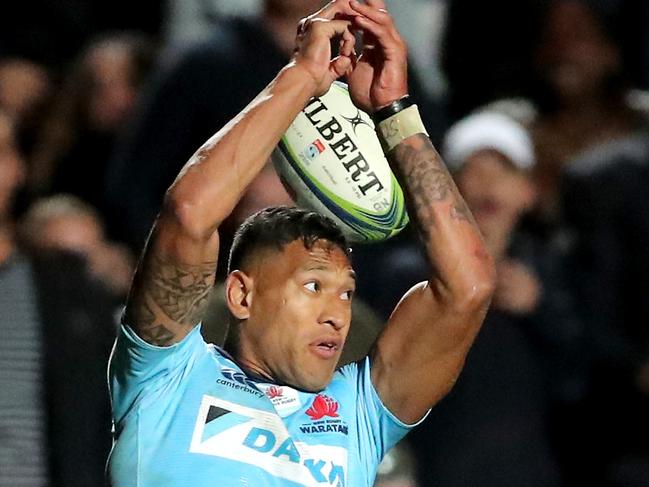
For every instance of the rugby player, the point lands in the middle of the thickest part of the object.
(272, 409)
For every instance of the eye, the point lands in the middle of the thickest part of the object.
(347, 295)
(312, 286)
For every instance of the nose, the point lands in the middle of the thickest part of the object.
(336, 322)
(335, 313)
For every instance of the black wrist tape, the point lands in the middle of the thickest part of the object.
(392, 109)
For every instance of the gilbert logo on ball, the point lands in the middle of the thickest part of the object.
(332, 161)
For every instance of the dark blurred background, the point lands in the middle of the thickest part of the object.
(101, 103)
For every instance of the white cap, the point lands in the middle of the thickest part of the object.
(488, 130)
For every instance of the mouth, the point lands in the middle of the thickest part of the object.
(326, 348)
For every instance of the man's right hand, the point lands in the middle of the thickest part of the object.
(313, 44)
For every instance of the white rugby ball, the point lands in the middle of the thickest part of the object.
(332, 160)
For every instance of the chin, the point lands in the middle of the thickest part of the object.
(313, 384)
(312, 389)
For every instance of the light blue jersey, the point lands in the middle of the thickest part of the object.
(187, 415)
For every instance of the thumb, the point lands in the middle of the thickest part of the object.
(340, 66)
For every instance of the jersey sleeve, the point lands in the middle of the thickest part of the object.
(378, 429)
(140, 372)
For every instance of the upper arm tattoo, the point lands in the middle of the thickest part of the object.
(181, 290)
(168, 298)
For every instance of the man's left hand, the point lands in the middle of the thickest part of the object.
(380, 75)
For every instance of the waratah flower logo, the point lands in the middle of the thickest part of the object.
(323, 406)
(274, 391)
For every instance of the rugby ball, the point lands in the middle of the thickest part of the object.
(332, 162)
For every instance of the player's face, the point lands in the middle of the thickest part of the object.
(300, 312)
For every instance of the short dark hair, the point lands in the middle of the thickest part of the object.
(278, 226)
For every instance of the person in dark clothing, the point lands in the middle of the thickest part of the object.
(606, 206)
(77, 314)
(57, 326)
(95, 103)
(585, 95)
(494, 428)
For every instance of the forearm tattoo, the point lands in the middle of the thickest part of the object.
(179, 291)
(427, 181)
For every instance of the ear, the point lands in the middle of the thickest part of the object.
(238, 294)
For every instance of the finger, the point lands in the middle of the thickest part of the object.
(301, 26)
(380, 4)
(373, 32)
(333, 9)
(327, 28)
(328, 12)
(383, 33)
(373, 10)
(347, 44)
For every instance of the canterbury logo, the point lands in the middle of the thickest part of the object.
(323, 406)
(239, 377)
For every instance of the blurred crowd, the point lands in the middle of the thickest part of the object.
(538, 108)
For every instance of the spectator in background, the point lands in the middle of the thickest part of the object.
(199, 89)
(592, 144)
(26, 86)
(23, 84)
(585, 99)
(494, 427)
(66, 223)
(606, 206)
(190, 21)
(420, 21)
(590, 130)
(56, 327)
(94, 105)
(53, 33)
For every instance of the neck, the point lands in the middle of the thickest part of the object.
(241, 355)
(253, 369)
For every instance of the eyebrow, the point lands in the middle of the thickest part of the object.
(322, 267)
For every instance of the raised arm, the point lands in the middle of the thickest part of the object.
(176, 272)
(420, 353)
